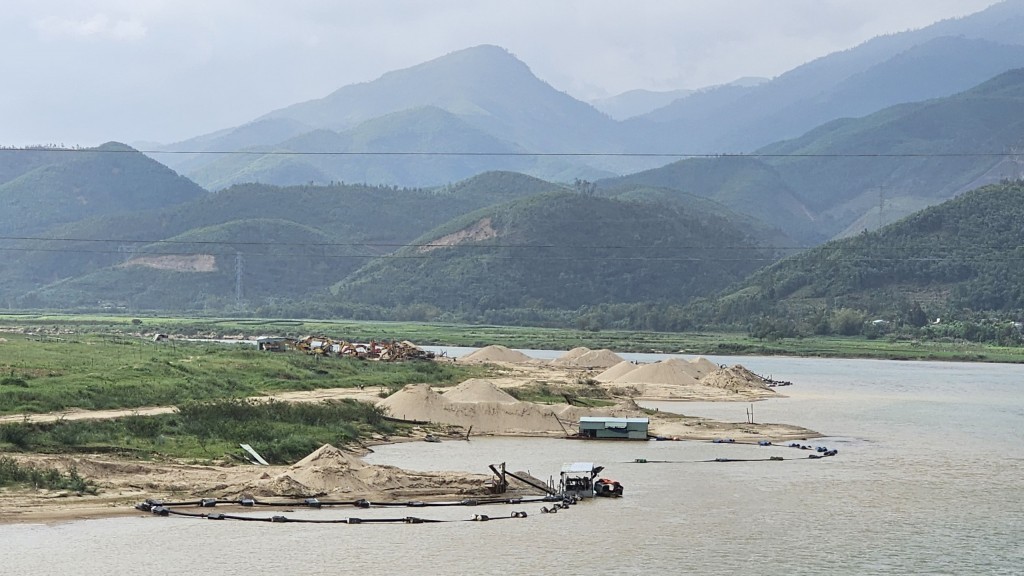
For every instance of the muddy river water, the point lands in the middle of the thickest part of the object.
(929, 479)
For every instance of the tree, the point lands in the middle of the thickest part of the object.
(917, 317)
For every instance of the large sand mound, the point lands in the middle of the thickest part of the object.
(411, 402)
(326, 470)
(571, 355)
(672, 371)
(497, 353)
(330, 471)
(616, 371)
(704, 366)
(587, 358)
(478, 390)
(418, 402)
(735, 378)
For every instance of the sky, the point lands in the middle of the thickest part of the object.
(84, 72)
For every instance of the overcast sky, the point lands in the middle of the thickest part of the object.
(89, 71)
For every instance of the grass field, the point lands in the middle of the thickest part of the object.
(524, 337)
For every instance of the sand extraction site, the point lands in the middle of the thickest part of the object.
(474, 407)
(488, 406)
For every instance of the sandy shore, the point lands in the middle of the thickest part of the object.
(482, 405)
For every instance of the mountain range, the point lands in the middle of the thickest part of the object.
(485, 102)
(318, 209)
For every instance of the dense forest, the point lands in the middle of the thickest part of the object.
(961, 260)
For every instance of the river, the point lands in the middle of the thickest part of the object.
(929, 479)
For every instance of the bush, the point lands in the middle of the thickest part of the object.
(14, 474)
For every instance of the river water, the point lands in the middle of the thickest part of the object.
(929, 479)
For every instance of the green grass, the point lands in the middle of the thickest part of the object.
(97, 371)
(281, 432)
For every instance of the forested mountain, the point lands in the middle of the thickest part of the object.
(49, 187)
(559, 251)
(962, 255)
(192, 250)
(208, 268)
(855, 174)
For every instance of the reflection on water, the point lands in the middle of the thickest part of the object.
(928, 480)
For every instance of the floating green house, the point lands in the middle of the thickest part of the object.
(608, 428)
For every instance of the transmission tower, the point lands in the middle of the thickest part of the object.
(238, 279)
(128, 250)
(1017, 158)
(881, 207)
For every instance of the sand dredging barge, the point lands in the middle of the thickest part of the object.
(577, 481)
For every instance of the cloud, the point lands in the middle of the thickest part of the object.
(96, 26)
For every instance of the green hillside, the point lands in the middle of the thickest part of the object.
(946, 261)
(329, 230)
(559, 251)
(206, 267)
(67, 186)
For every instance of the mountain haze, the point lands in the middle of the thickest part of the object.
(480, 100)
(855, 174)
(935, 61)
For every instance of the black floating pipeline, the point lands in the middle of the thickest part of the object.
(149, 504)
(160, 508)
(819, 453)
(166, 511)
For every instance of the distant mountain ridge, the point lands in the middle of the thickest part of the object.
(487, 89)
(482, 90)
(741, 119)
(855, 174)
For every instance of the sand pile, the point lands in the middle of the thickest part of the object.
(478, 390)
(330, 471)
(571, 355)
(673, 371)
(616, 371)
(704, 366)
(414, 401)
(586, 358)
(623, 409)
(324, 471)
(735, 378)
(698, 379)
(497, 353)
(494, 417)
(418, 402)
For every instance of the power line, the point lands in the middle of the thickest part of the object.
(395, 245)
(319, 255)
(465, 153)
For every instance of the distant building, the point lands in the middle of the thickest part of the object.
(608, 428)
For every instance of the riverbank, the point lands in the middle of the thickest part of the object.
(516, 396)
